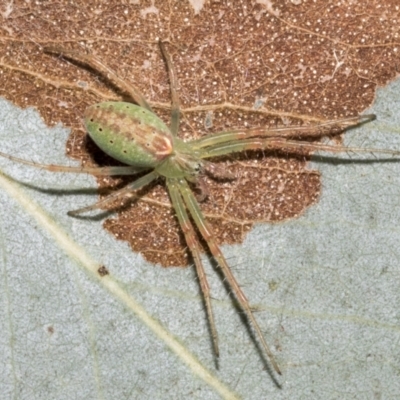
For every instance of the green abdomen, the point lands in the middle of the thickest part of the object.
(129, 133)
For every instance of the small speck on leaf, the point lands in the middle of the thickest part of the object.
(103, 271)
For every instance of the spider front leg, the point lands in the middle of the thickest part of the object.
(173, 83)
(318, 130)
(206, 232)
(194, 247)
(277, 143)
(136, 185)
(97, 65)
(97, 171)
(223, 143)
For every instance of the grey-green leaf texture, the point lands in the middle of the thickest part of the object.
(326, 287)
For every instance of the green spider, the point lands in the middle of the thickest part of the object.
(134, 135)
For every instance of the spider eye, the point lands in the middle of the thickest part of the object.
(197, 168)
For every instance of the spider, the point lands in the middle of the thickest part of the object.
(134, 135)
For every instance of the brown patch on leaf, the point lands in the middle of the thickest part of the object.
(236, 61)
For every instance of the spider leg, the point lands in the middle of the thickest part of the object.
(173, 81)
(139, 183)
(318, 130)
(277, 143)
(208, 236)
(96, 64)
(98, 171)
(194, 247)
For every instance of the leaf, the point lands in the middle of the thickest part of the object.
(326, 284)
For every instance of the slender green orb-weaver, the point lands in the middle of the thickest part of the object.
(134, 135)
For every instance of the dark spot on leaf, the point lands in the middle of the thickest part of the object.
(103, 271)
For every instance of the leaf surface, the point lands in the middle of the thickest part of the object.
(325, 284)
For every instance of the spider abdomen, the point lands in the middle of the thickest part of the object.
(129, 133)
